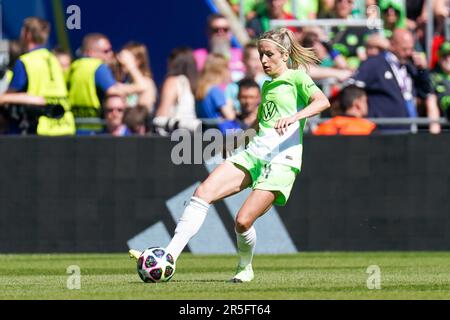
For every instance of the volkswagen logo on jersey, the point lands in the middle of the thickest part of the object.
(269, 110)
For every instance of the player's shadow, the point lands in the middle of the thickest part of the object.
(185, 281)
(196, 281)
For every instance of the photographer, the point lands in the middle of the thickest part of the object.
(395, 80)
(38, 81)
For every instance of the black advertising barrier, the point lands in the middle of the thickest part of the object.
(95, 194)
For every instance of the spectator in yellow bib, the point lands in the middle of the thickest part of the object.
(38, 79)
(91, 81)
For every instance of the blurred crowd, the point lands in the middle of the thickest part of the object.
(367, 72)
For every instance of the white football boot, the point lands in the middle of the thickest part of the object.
(243, 274)
(134, 254)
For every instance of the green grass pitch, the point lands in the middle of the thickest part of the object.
(412, 275)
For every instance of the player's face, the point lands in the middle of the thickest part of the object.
(273, 61)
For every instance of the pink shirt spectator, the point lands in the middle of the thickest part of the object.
(237, 67)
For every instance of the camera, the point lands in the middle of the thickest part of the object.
(51, 111)
(25, 118)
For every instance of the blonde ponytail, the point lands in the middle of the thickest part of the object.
(298, 55)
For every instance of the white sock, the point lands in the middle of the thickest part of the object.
(188, 226)
(246, 243)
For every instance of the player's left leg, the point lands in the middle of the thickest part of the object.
(256, 205)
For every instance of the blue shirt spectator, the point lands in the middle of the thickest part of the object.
(396, 78)
(19, 82)
(210, 107)
(104, 80)
(386, 98)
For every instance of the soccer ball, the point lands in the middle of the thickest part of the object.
(156, 265)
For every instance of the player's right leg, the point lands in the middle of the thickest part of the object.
(135, 254)
(224, 181)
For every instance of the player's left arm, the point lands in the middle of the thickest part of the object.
(318, 103)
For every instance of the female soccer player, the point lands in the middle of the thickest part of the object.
(272, 159)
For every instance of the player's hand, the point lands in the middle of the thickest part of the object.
(283, 124)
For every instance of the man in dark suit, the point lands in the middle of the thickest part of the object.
(394, 80)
